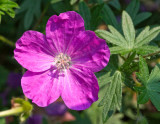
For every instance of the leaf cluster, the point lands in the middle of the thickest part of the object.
(150, 88)
(6, 6)
(128, 42)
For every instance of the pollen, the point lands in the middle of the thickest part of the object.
(62, 61)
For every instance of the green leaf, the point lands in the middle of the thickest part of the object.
(31, 9)
(143, 97)
(141, 17)
(155, 74)
(147, 49)
(142, 34)
(28, 19)
(144, 71)
(109, 17)
(85, 13)
(55, 1)
(73, 1)
(95, 16)
(118, 35)
(130, 43)
(113, 97)
(103, 78)
(128, 29)
(128, 62)
(115, 4)
(151, 83)
(109, 37)
(7, 7)
(148, 37)
(133, 8)
(121, 50)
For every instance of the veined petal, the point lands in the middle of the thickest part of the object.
(43, 88)
(33, 52)
(80, 88)
(89, 51)
(60, 30)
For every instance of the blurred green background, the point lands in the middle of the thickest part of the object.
(33, 15)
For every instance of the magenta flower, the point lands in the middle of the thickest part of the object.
(62, 62)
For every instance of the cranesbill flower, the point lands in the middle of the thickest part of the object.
(62, 62)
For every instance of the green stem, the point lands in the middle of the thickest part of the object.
(13, 111)
(5, 40)
(152, 54)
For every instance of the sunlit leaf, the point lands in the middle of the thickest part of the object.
(6, 6)
(128, 29)
(113, 97)
(110, 37)
(148, 37)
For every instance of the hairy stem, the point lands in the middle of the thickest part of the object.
(10, 112)
(5, 40)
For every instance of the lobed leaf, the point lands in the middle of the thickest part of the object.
(151, 84)
(146, 49)
(6, 6)
(142, 34)
(144, 71)
(113, 97)
(32, 9)
(118, 35)
(109, 37)
(143, 97)
(148, 37)
(109, 17)
(103, 78)
(128, 29)
(121, 50)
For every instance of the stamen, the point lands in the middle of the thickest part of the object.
(62, 61)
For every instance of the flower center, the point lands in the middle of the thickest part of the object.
(62, 61)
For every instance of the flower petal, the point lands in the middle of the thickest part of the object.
(80, 88)
(60, 30)
(42, 87)
(33, 52)
(89, 51)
